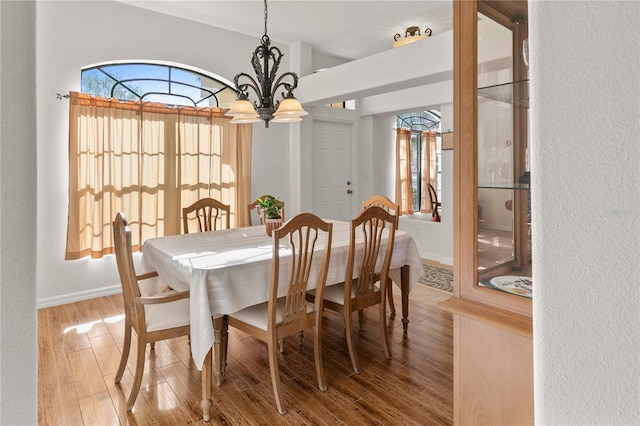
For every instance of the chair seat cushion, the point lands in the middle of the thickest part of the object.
(167, 315)
(335, 293)
(257, 315)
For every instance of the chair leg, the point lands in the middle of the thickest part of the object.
(350, 343)
(281, 345)
(360, 318)
(125, 351)
(300, 338)
(137, 378)
(317, 354)
(392, 306)
(383, 330)
(275, 375)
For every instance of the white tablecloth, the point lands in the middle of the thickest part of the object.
(229, 270)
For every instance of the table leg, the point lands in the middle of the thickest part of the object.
(206, 387)
(220, 329)
(404, 286)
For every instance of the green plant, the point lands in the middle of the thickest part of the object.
(270, 206)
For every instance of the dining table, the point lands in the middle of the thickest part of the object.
(228, 270)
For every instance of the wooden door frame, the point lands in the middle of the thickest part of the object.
(465, 166)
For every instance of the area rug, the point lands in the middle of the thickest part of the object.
(435, 277)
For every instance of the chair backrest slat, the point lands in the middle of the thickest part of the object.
(209, 212)
(385, 203)
(304, 235)
(372, 224)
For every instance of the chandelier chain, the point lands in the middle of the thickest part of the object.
(265, 17)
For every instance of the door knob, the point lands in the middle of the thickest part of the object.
(349, 191)
(348, 182)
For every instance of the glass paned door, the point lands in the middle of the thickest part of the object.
(501, 194)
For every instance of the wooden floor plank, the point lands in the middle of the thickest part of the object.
(87, 377)
(80, 346)
(98, 410)
(169, 408)
(143, 413)
(106, 353)
(61, 406)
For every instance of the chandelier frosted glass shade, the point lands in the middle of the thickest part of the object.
(243, 111)
(289, 107)
(242, 108)
(286, 119)
(245, 120)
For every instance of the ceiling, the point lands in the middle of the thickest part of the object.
(349, 29)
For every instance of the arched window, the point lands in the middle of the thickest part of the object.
(149, 139)
(158, 82)
(420, 122)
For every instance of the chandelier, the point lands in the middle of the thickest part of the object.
(266, 107)
(410, 35)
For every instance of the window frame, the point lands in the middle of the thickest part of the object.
(176, 90)
(420, 121)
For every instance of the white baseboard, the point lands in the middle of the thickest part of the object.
(78, 296)
(436, 258)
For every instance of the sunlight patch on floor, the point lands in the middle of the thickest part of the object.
(87, 326)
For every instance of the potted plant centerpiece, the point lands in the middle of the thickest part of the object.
(271, 209)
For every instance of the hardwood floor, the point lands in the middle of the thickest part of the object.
(80, 345)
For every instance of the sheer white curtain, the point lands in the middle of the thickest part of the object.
(149, 161)
(213, 163)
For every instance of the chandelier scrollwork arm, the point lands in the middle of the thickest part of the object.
(273, 53)
(258, 54)
(289, 87)
(243, 88)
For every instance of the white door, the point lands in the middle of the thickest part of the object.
(331, 175)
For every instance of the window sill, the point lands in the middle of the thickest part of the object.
(419, 217)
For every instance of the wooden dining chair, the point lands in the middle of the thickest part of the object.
(295, 247)
(208, 213)
(435, 204)
(253, 207)
(366, 278)
(152, 318)
(388, 205)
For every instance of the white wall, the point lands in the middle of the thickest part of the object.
(585, 131)
(18, 330)
(71, 35)
(270, 162)
(384, 140)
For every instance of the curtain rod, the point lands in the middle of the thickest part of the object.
(437, 133)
